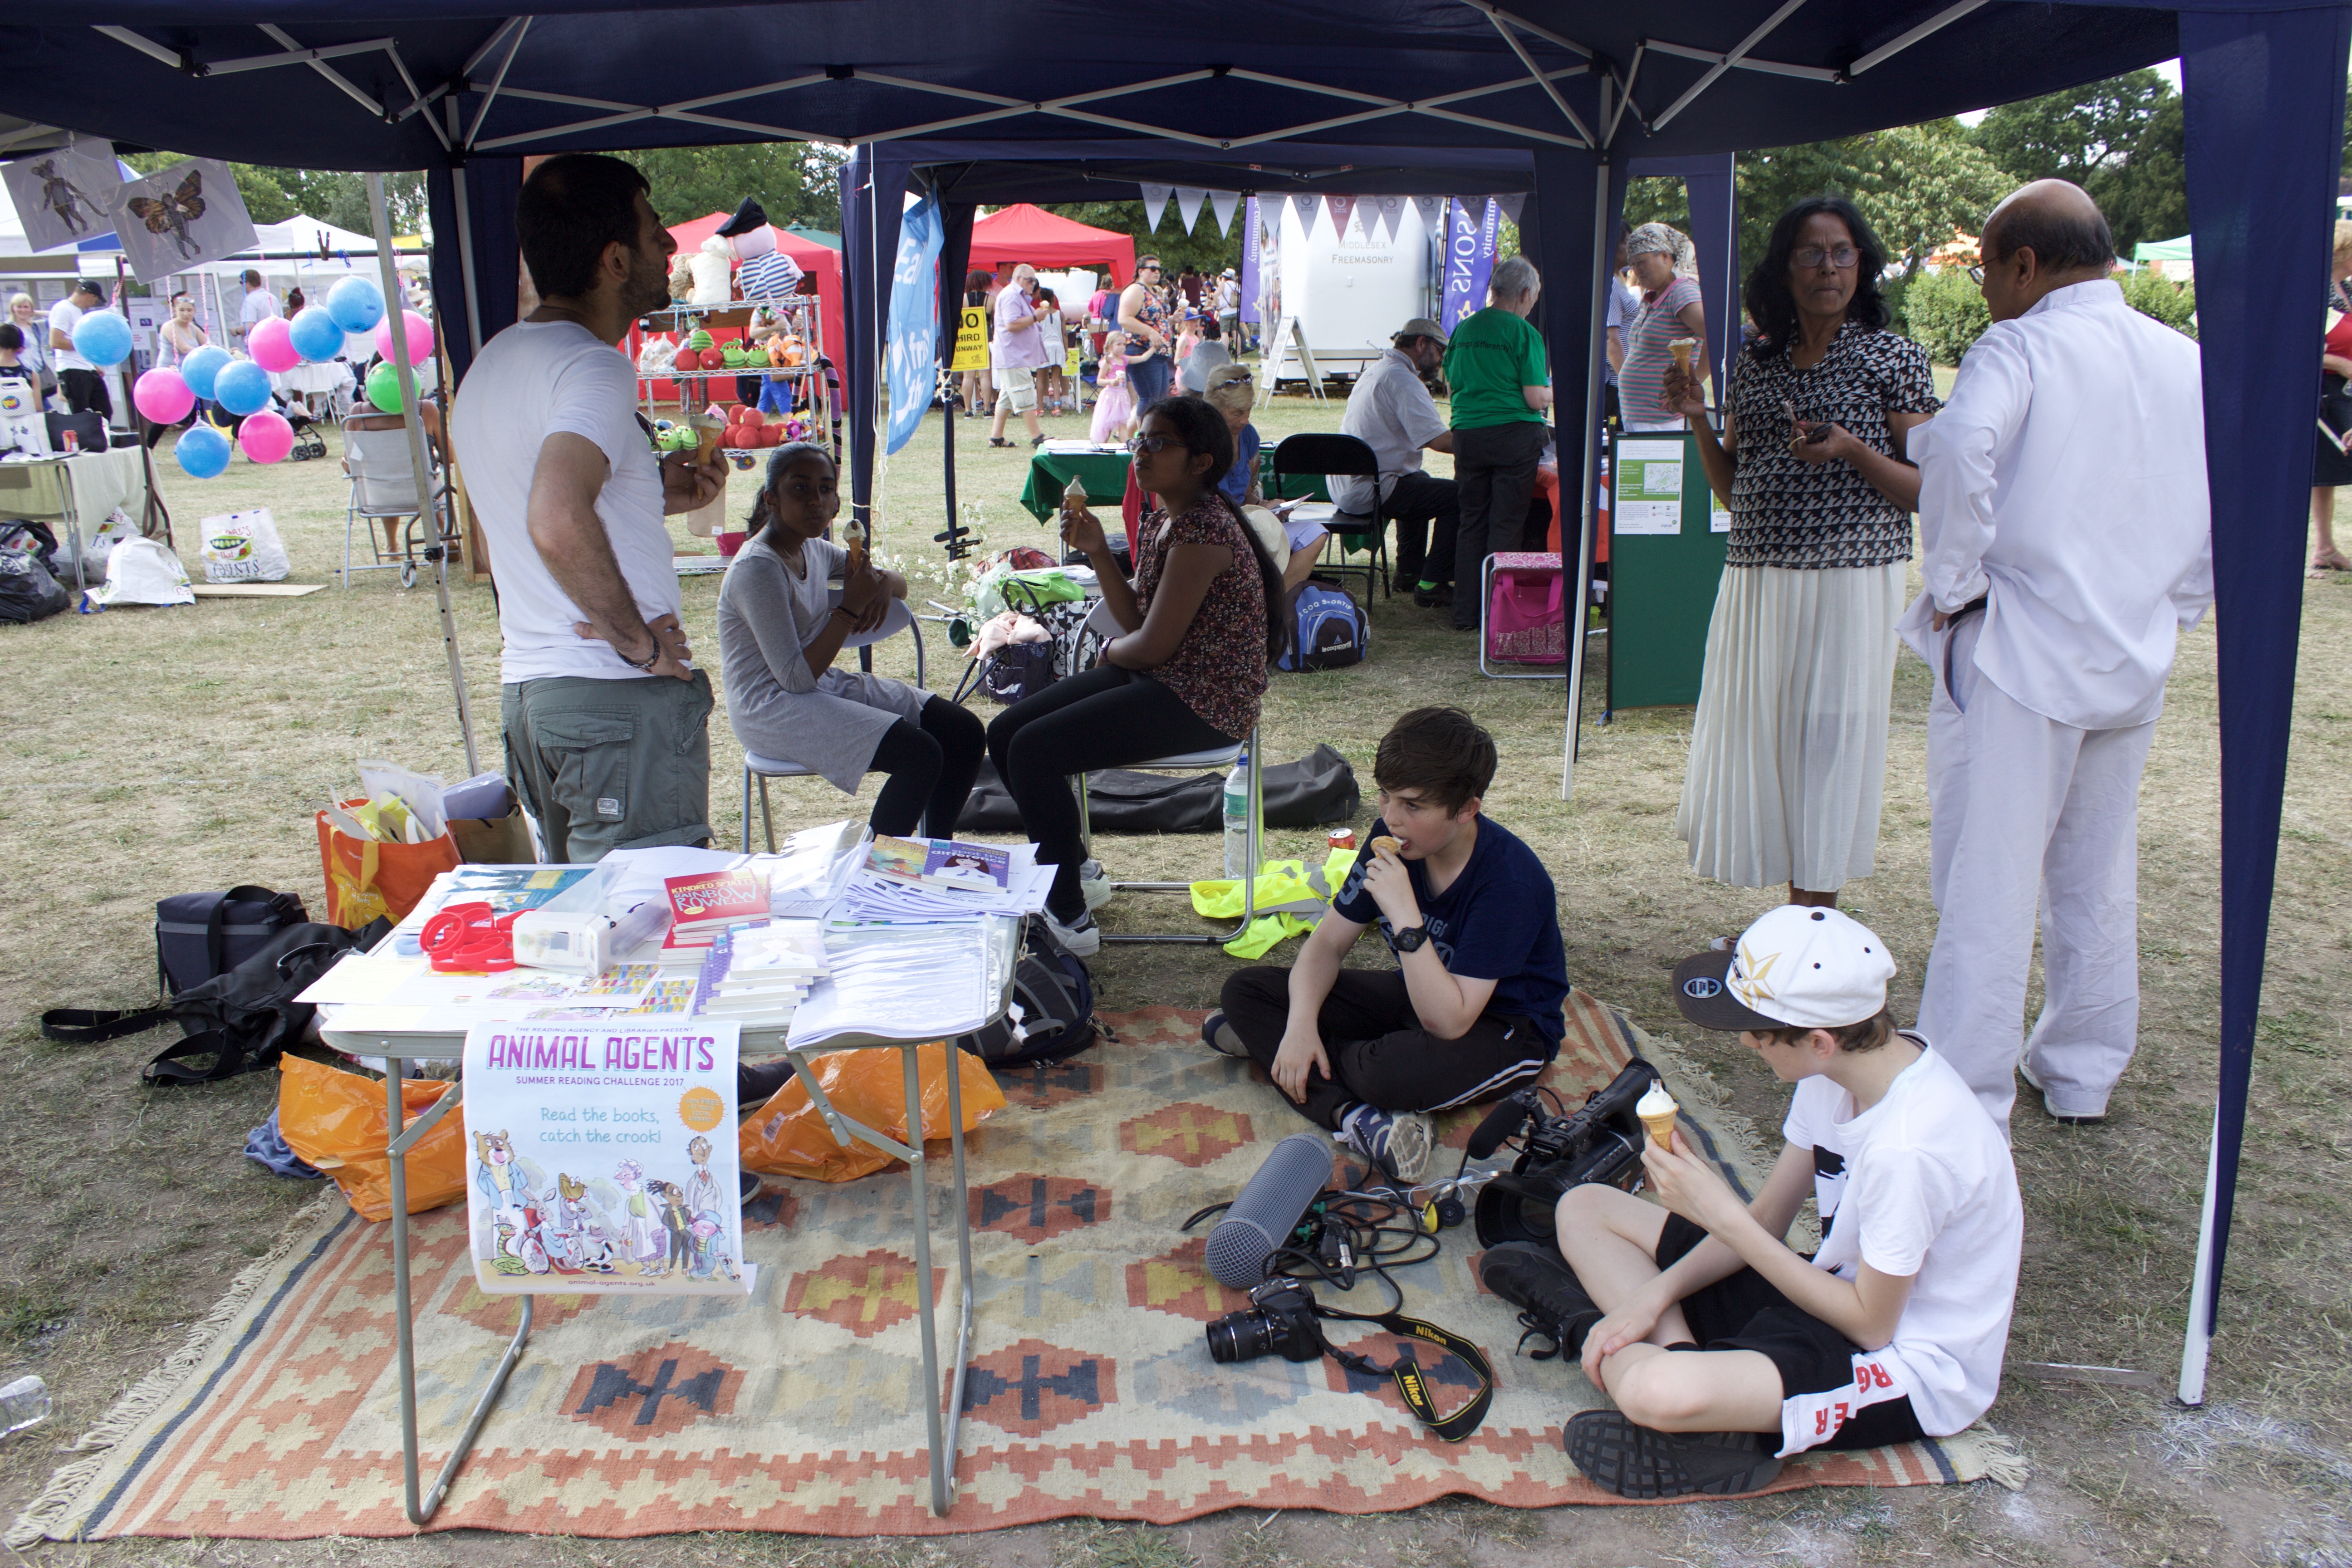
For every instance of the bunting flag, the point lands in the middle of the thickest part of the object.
(1340, 209)
(1429, 208)
(1304, 203)
(1391, 211)
(1512, 203)
(1223, 202)
(1155, 202)
(1187, 206)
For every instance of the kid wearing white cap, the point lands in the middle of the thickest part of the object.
(1893, 1329)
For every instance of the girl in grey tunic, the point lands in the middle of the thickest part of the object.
(779, 631)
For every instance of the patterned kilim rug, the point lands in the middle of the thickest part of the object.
(1091, 1392)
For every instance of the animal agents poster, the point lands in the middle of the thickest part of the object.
(188, 213)
(601, 1158)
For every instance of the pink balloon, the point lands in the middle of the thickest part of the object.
(267, 437)
(164, 397)
(271, 345)
(420, 337)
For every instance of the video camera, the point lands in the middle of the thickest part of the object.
(1599, 1141)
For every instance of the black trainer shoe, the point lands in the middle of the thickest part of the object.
(1539, 1282)
(1635, 1462)
(1433, 598)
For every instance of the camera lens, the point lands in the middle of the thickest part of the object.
(1240, 1336)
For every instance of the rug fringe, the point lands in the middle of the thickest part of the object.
(1996, 1456)
(143, 1398)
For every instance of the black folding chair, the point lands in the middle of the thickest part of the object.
(1343, 456)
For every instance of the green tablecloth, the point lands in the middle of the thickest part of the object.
(1105, 474)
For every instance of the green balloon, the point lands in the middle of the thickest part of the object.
(384, 386)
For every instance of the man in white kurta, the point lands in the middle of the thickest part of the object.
(2065, 542)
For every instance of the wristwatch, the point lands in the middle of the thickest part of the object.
(1410, 939)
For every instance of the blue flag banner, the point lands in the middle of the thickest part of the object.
(1469, 258)
(1253, 258)
(913, 359)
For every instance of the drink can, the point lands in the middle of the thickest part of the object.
(73, 442)
(1343, 839)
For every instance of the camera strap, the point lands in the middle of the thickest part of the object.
(1411, 1386)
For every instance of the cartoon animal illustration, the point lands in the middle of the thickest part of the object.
(669, 1199)
(505, 1178)
(706, 1233)
(642, 1243)
(172, 212)
(63, 198)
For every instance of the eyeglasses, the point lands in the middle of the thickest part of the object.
(1812, 255)
(1154, 443)
(1150, 267)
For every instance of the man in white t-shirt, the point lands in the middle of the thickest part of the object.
(82, 382)
(606, 718)
(1391, 411)
(259, 305)
(1726, 1352)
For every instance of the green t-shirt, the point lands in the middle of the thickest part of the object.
(1491, 355)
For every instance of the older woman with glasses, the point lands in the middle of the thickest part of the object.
(35, 355)
(1789, 750)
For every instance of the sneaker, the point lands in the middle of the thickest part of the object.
(758, 1085)
(2025, 1071)
(1636, 1462)
(1433, 598)
(750, 1182)
(1219, 1036)
(1551, 1302)
(1094, 885)
(1081, 936)
(1397, 1142)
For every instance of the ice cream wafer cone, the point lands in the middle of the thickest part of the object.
(1681, 348)
(1384, 842)
(709, 430)
(1657, 1110)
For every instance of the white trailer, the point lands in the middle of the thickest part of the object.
(1341, 297)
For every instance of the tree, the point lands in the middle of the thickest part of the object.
(1917, 185)
(274, 195)
(2121, 140)
(1204, 249)
(795, 181)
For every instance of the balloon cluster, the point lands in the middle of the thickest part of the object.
(241, 386)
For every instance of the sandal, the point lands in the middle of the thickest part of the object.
(998, 441)
(2333, 561)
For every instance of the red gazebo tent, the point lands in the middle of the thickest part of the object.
(1024, 232)
(821, 262)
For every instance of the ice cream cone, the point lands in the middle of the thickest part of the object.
(1384, 842)
(709, 430)
(1657, 1110)
(1681, 348)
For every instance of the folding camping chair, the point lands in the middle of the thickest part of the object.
(384, 488)
(1343, 456)
(762, 769)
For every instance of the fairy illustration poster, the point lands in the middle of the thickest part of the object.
(62, 196)
(601, 1158)
(187, 214)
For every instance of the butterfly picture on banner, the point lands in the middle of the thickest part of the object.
(181, 216)
(62, 196)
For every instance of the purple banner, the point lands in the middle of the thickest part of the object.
(1251, 249)
(1469, 259)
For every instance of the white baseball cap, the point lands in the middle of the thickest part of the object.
(1796, 968)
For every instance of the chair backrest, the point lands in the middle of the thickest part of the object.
(1325, 454)
(376, 450)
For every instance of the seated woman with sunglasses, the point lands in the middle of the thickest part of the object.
(1187, 674)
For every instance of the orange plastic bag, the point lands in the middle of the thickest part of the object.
(366, 879)
(334, 1120)
(788, 1136)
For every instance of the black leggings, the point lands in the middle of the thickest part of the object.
(931, 770)
(1102, 719)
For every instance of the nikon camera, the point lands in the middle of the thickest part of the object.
(1279, 1320)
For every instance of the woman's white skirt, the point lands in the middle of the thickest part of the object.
(1789, 754)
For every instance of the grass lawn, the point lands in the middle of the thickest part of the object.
(152, 752)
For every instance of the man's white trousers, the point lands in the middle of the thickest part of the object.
(2031, 816)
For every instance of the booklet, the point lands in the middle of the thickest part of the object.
(602, 1158)
(942, 863)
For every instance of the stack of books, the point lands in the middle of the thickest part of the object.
(705, 904)
(761, 971)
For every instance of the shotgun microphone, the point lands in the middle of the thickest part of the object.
(1272, 1203)
(1502, 1124)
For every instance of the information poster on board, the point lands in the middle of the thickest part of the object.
(1649, 497)
(971, 339)
(602, 1159)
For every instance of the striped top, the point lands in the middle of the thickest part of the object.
(1642, 379)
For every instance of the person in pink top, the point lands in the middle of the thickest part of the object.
(1020, 355)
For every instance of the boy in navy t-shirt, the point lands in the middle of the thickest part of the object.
(1473, 1006)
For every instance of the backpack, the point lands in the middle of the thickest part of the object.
(200, 936)
(1329, 628)
(1053, 1013)
(243, 1019)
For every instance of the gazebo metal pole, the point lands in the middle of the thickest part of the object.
(1578, 616)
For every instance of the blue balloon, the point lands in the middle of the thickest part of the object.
(314, 334)
(199, 368)
(102, 338)
(202, 450)
(242, 387)
(356, 304)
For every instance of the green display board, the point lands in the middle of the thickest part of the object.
(1666, 545)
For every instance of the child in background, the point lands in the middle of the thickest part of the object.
(1473, 1006)
(1115, 409)
(1893, 1330)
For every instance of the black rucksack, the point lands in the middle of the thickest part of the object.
(1053, 1013)
(200, 936)
(243, 1020)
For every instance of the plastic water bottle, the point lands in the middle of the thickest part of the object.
(1237, 819)
(23, 1403)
